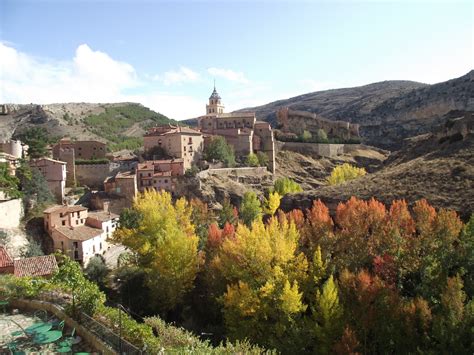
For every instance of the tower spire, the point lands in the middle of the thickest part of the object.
(214, 84)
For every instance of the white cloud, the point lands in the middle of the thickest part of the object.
(228, 74)
(183, 75)
(90, 76)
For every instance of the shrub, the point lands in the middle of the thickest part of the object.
(343, 173)
(252, 160)
(306, 136)
(262, 159)
(286, 186)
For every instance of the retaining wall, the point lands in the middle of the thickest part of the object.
(320, 149)
(11, 212)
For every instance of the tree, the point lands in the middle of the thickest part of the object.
(250, 208)
(219, 150)
(306, 136)
(37, 139)
(286, 186)
(272, 203)
(165, 244)
(201, 217)
(262, 159)
(97, 271)
(322, 135)
(343, 173)
(228, 214)
(328, 317)
(251, 160)
(36, 189)
(9, 184)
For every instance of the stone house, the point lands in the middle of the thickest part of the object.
(178, 142)
(241, 130)
(123, 184)
(15, 148)
(79, 233)
(159, 174)
(54, 172)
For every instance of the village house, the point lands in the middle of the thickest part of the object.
(123, 184)
(159, 174)
(241, 130)
(45, 265)
(79, 233)
(15, 148)
(178, 142)
(54, 172)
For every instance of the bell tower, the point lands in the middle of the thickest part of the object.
(214, 107)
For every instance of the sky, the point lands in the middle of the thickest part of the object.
(167, 54)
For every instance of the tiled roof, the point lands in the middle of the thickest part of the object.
(5, 260)
(61, 208)
(35, 266)
(80, 233)
(102, 216)
(150, 164)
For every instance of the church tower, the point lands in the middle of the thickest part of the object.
(214, 107)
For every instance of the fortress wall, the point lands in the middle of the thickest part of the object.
(92, 175)
(323, 150)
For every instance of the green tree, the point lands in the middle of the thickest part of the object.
(219, 150)
(9, 184)
(306, 136)
(322, 135)
(228, 214)
(36, 188)
(262, 159)
(286, 186)
(37, 139)
(97, 271)
(343, 173)
(250, 208)
(272, 203)
(251, 160)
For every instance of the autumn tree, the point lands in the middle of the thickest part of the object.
(228, 214)
(250, 208)
(343, 173)
(286, 186)
(251, 160)
(165, 244)
(272, 203)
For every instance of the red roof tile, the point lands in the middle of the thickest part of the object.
(35, 266)
(5, 260)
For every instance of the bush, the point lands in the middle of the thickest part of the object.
(306, 136)
(252, 160)
(286, 186)
(262, 159)
(343, 173)
(91, 161)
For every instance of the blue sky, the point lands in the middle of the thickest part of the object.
(166, 54)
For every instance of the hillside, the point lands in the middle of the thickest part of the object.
(388, 111)
(437, 166)
(121, 125)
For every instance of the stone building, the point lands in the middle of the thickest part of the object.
(69, 151)
(54, 172)
(292, 121)
(178, 142)
(15, 148)
(241, 130)
(123, 184)
(159, 174)
(79, 233)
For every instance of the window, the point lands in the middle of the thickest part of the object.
(107, 229)
(80, 148)
(77, 222)
(95, 148)
(82, 220)
(149, 174)
(190, 140)
(101, 148)
(93, 249)
(63, 223)
(75, 245)
(100, 245)
(62, 245)
(61, 215)
(154, 181)
(166, 181)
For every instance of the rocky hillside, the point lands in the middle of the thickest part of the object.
(388, 111)
(121, 125)
(437, 166)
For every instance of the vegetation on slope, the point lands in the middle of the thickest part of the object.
(112, 123)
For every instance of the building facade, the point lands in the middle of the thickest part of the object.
(178, 142)
(79, 233)
(241, 130)
(159, 174)
(54, 172)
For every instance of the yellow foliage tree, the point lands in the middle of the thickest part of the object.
(272, 203)
(343, 173)
(165, 244)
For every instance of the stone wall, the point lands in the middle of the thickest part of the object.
(92, 175)
(239, 172)
(319, 149)
(11, 212)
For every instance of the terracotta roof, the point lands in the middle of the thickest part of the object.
(171, 131)
(5, 260)
(80, 233)
(61, 208)
(150, 164)
(35, 266)
(102, 216)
